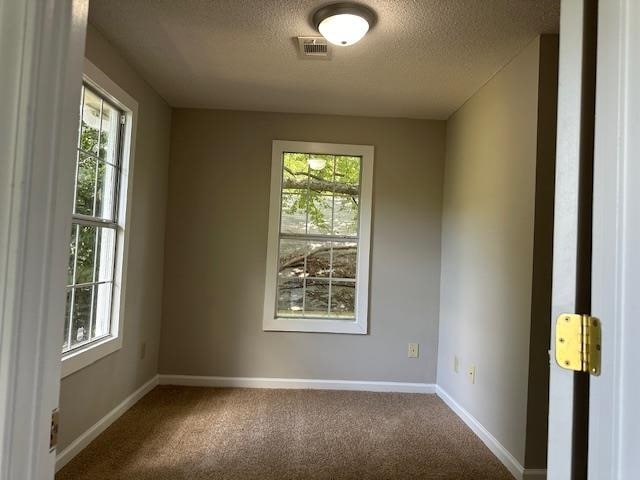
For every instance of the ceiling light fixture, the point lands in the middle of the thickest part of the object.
(344, 23)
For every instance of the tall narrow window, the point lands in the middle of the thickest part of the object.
(97, 247)
(317, 270)
(94, 227)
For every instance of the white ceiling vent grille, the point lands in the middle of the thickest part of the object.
(313, 48)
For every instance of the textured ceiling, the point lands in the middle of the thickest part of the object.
(422, 59)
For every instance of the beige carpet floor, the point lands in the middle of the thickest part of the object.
(177, 433)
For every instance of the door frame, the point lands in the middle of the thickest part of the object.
(566, 457)
(42, 47)
(614, 436)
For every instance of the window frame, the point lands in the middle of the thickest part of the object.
(271, 322)
(80, 358)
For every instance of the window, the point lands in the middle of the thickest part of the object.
(319, 230)
(97, 240)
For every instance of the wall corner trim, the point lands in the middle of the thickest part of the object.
(75, 447)
(296, 383)
(507, 459)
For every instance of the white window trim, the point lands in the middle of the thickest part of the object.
(360, 324)
(78, 359)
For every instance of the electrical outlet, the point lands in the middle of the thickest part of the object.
(456, 364)
(472, 374)
(413, 350)
(143, 350)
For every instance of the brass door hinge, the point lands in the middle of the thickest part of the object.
(55, 426)
(578, 343)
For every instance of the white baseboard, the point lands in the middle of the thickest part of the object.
(534, 474)
(489, 440)
(75, 447)
(296, 383)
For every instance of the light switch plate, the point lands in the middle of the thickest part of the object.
(413, 350)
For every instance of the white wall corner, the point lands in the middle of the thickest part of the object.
(296, 383)
(75, 447)
(507, 459)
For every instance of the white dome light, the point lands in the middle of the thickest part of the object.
(344, 23)
(344, 29)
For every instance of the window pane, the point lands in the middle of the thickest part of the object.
(345, 259)
(294, 211)
(292, 258)
(343, 299)
(105, 254)
(320, 209)
(86, 250)
(348, 173)
(109, 133)
(102, 310)
(290, 296)
(319, 259)
(90, 122)
(316, 298)
(345, 219)
(295, 171)
(81, 318)
(85, 184)
(106, 191)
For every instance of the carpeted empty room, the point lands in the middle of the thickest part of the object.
(180, 433)
(309, 240)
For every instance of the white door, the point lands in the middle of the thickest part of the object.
(41, 51)
(594, 422)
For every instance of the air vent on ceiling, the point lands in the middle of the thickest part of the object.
(313, 48)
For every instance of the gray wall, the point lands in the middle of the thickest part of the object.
(89, 394)
(489, 213)
(217, 220)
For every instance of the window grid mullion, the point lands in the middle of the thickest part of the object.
(316, 237)
(333, 216)
(88, 284)
(306, 230)
(94, 221)
(95, 157)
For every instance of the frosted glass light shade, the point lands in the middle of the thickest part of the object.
(343, 29)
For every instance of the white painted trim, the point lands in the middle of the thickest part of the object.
(77, 360)
(614, 417)
(41, 46)
(75, 447)
(565, 232)
(489, 440)
(296, 383)
(360, 325)
(534, 474)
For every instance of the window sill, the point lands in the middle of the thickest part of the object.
(311, 325)
(77, 360)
